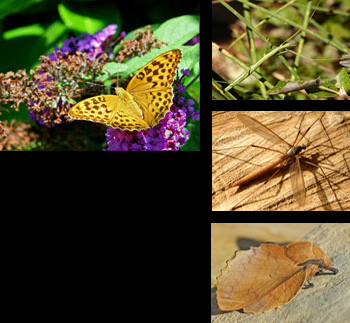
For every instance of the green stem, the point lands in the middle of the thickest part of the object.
(252, 68)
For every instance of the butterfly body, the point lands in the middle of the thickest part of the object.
(143, 104)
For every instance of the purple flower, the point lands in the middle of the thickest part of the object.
(169, 134)
(186, 72)
(181, 88)
(93, 45)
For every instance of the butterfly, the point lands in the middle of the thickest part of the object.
(143, 104)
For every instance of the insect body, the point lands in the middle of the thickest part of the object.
(295, 150)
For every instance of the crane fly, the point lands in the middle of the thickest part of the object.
(293, 153)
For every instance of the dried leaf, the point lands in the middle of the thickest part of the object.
(345, 61)
(269, 276)
(285, 87)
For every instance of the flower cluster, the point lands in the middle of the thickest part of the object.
(18, 136)
(94, 45)
(140, 45)
(55, 82)
(47, 90)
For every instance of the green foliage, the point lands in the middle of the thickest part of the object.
(343, 81)
(111, 70)
(186, 28)
(318, 35)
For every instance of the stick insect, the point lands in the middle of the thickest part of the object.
(292, 153)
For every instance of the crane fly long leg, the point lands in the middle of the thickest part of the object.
(262, 130)
(297, 181)
(307, 130)
(254, 146)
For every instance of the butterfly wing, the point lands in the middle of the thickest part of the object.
(151, 87)
(112, 110)
(96, 109)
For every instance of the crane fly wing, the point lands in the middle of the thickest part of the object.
(297, 181)
(262, 130)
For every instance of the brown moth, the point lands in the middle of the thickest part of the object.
(260, 279)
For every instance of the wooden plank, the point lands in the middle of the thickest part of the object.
(230, 164)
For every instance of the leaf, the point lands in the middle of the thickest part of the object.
(90, 17)
(111, 70)
(324, 94)
(269, 276)
(186, 27)
(343, 80)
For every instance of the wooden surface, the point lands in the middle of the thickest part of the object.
(229, 164)
(327, 301)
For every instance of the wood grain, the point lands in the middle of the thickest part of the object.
(230, 164)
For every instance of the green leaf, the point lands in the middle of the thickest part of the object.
(24, 31)
(325, 94)
(111, 70)
(190, 57)
(186, 27)
(343, 81)
(54, 34)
